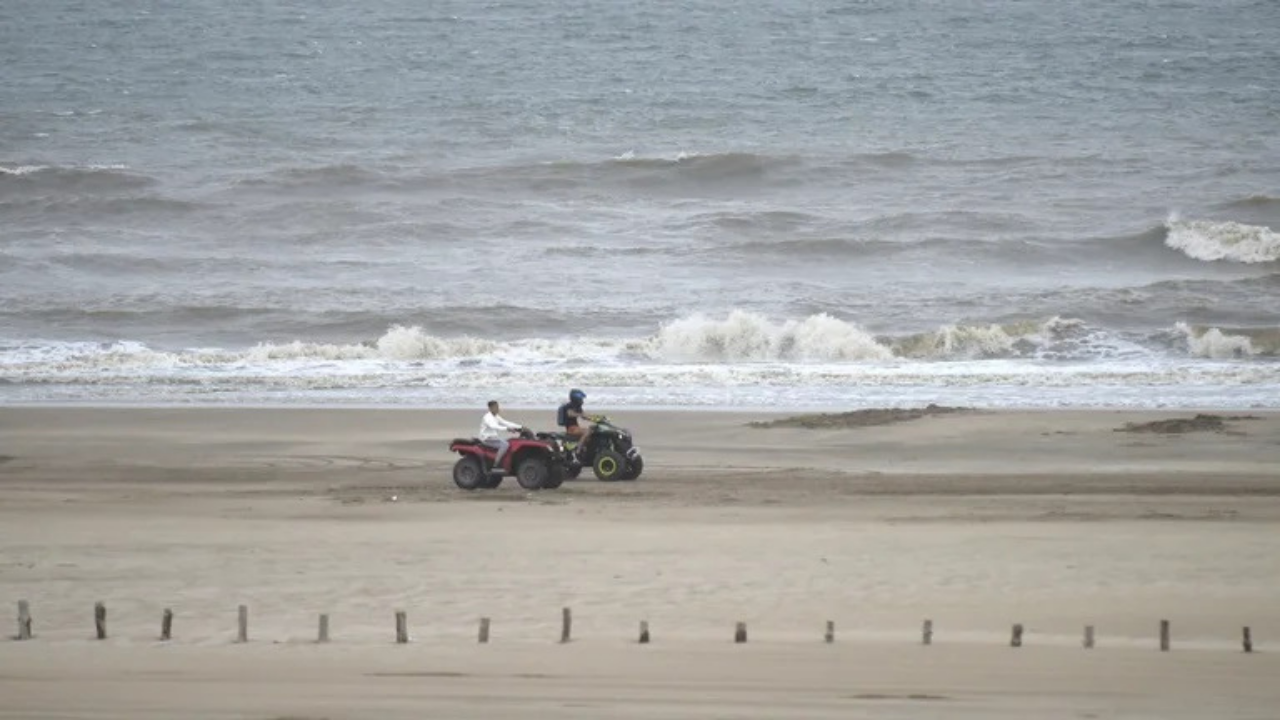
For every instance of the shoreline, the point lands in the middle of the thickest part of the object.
(655, 408)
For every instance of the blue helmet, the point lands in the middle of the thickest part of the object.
(576, 396)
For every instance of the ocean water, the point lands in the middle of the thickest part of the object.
(682, 203)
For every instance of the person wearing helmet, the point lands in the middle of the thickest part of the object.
(574, 420)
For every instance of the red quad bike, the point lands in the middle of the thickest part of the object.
(535, 463)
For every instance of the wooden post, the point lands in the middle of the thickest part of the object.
(1016, 639)
(166, 624)
(1088, 637)
(1247, 640)
(402, 627)
(100, 620)
(243, 634)
(1164, 636)
(830, 636)
(644, 632)
(927, 633)
(566, 625)
(484, 630)
(24, 620)
(323, 635)
(740, 633)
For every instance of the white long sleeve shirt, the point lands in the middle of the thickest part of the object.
(491, 426)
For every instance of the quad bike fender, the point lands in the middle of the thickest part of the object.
(517, 454)
(472, 450)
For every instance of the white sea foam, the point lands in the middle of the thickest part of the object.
(297, 374)
(738, 338)
(739, 359)
(1224, 343)
(32, 169)
(411, 343)
(966, 341)
(750, 337)
(1213, 241)
(1213, 343)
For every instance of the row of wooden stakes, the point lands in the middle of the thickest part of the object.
(566, 629)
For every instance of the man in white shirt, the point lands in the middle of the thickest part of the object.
(491, 428)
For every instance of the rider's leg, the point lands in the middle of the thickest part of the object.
(579, 437)
(502, 445)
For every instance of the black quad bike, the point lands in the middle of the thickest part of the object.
(611, 452)
(537, 462)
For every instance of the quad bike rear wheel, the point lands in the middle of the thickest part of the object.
(469, 474)
(533, 473)
(609, 466)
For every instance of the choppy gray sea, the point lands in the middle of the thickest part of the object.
(679, 203)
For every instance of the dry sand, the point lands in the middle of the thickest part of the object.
(876, 521)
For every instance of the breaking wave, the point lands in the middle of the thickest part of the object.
(71, 180)
(746, 337)
(1226, 343)
(1055, 337)
(742, 358)
(405, 343)
(740, 338)
(1232, 241)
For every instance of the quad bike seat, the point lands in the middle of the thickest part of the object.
(465, 441)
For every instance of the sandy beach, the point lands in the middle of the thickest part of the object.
(874, 521)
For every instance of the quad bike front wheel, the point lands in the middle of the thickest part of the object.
(635, 466)
(556, 477)
(469, 474)
(533, 473)
(609, 466)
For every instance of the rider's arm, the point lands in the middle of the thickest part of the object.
(508, 424)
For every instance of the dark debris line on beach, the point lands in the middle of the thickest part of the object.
(1200, 423)
(860, 418)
